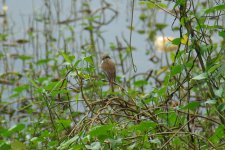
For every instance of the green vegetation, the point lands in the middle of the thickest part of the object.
(53, 94)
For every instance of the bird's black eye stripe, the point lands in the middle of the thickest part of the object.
(106, 57)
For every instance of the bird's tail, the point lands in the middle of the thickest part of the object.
(112, 85)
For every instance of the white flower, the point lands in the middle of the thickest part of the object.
(5, 8)
(164, 44)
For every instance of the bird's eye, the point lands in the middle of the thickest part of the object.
(105, 57)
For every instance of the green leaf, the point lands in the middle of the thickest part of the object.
(215, 8)
(155, 141)
(89, 59)
(22, 41)
(208, 27)
(89, 28)
(219, 92)
(213, 68)
(115, 142)
(4, 132)
(53, 85)
(141, 17)
(140, 83)
(101, 131)
(58, 91)
(163, 5)
(66, 64)
(176, 69)
(25, 57)
(221, 70)
(218, 134)
(172, 117)
(149, 5)
(66, 57)
(76, 63)
(43, 61)
(3, 37)
(21, 88)
(94, 146)
(221, 107)
(176, 41)
(132, 146)
(183, 20)
(180, 2)
(66, 144)
(65, 123)
(34, 84)
(4, 145)
(53, 144)
(162, 91)
(222, 34)
(45, 134)
(161, 26)
(144, 126)
(210, 101)
(112, 46)
(16, 145)
(200, 77)
(17, 128)
(192, 105)
(141, 31)
(34, 139)
(189, 64)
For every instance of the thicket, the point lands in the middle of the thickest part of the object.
(53, 94)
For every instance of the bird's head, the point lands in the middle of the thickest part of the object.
(105, 56)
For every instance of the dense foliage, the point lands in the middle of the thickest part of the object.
(53, 94)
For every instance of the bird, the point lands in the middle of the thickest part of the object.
(109, 68)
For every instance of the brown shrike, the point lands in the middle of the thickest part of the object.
(109, 68)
